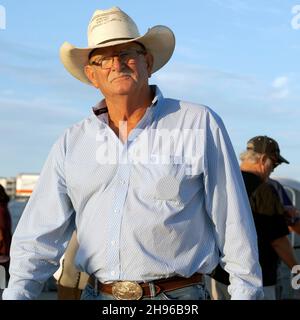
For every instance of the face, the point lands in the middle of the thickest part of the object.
(126, 73)
(267, 166)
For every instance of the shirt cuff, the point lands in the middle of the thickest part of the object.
(10, 294)
(19, 293)
(247, 294)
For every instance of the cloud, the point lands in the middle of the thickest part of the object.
(234, 5)
(39, 106)
(280, 87)
(7, 92)
(25, 51)
(280, 82)
(48, 80)
(244, 6)
(247, 104)
(186, 77)
(22, 65)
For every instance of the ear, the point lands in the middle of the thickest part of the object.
(263, 158)
(149, 60)
(90, 73)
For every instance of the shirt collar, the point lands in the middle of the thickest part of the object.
(157, 94)
(100, 109)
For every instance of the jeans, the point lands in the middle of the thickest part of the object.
(193, 292)
(269, 292)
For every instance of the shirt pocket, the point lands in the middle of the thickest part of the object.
(171, 182)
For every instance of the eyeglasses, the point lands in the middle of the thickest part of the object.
(126, 56)
(274, 161)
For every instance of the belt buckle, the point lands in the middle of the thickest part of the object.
(127, 290)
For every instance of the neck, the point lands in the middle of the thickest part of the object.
(252, 168)
(129, 109)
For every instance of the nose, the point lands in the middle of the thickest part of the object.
(117, 63)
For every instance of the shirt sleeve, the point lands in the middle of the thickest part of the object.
(266, 201)
(268, 213)
(228, 206)
(43, 231)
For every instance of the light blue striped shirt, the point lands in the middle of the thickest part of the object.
(164, 203)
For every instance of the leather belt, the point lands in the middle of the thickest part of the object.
(131, 290)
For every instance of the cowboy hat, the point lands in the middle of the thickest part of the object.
(112, 27)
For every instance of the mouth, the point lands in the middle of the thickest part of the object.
(121, 77)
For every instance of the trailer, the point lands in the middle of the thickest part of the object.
(25, 183)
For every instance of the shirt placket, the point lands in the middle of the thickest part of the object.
(121, 189)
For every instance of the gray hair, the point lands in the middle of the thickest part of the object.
(250, 155)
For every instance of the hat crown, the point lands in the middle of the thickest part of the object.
(109, 25)
(263, 144)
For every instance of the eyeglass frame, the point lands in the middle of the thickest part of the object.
(274, 160)
(110, 58)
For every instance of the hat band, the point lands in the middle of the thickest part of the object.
(115, 39)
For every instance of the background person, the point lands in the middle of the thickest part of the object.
(257, 162)
(5, 230)
(70, 281)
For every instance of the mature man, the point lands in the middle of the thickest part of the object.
(257, 162)
(151, 184)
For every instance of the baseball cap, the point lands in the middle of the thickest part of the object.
(267, 145)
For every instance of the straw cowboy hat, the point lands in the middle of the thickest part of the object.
(112, 27)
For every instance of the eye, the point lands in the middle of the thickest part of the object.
(105, 59)
(124, 54)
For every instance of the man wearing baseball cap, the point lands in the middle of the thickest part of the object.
(151, 214)
(261, 157)
(268, 146)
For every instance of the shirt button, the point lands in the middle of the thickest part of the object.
(113, 242)
(116, 210)
(113, 273)
(122, 181)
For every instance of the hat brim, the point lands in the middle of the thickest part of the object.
(159, 41)
(282, 159)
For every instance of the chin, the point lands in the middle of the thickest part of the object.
(124, 89)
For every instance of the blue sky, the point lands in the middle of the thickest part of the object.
(240, 57)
